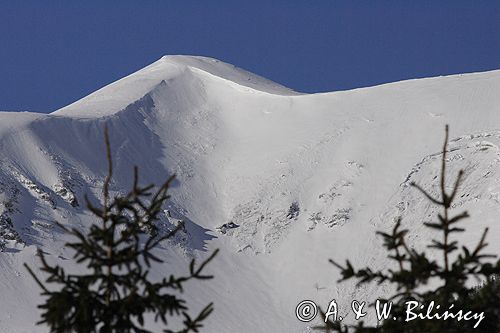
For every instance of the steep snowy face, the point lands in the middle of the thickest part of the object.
(280, 181)
(478, 156)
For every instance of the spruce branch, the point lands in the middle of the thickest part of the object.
(116, 292)
(415, 270)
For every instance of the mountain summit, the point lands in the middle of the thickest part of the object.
(170, 70)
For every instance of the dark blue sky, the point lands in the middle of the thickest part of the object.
(53, 53)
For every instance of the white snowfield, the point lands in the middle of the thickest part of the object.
(278, 180)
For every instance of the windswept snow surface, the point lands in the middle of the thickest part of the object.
(302, 177)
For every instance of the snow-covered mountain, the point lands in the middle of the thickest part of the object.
(302, 177)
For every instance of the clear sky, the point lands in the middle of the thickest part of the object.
(55, 52)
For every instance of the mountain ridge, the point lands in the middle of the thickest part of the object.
(169, 68)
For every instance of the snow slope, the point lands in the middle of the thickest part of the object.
(305, 177)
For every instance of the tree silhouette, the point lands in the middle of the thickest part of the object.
(116, 293)
(415, 271)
